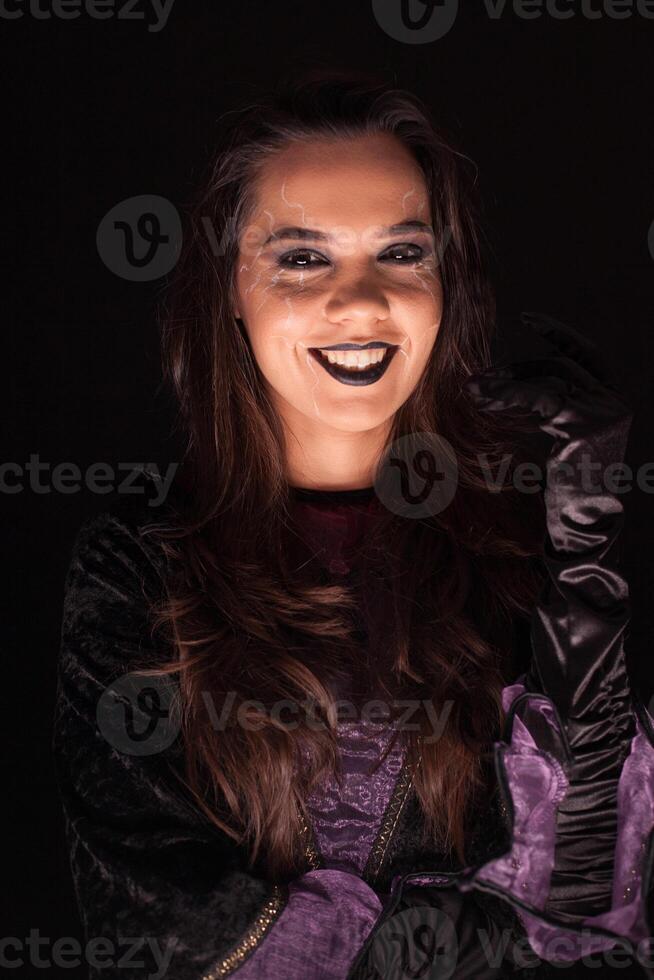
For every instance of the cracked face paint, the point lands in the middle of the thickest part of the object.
(340, 249)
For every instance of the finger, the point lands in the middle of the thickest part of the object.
(548, 371)
(571, 343)
(497, 394)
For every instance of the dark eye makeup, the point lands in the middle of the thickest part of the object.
(301, 258)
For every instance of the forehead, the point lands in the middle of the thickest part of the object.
(327, 182)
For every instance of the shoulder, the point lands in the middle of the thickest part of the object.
(117, 571)
(116, 577)
(121, 540)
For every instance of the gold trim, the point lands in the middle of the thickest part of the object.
(311, 852)
(392, 814)
(253, 937)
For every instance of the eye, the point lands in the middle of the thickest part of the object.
(300, 258)
(397, 252)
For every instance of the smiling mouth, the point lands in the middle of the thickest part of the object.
(355, 368)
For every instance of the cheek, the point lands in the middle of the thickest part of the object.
(279, 319)
(270, 340)
(277, 328)
(422, 311)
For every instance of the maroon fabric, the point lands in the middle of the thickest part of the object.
(333, 523)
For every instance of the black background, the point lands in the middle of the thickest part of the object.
(555, 113)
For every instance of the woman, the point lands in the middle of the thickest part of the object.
(347, 707)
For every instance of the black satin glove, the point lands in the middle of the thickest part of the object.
(581, 617)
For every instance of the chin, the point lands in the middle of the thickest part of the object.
(355, 420)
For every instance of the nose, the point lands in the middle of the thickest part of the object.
(360, 300)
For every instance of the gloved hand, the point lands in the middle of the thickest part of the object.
(580, 619)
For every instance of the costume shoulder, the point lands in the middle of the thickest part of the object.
(117, 564)
(145, 861)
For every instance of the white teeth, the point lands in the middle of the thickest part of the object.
(358, 360)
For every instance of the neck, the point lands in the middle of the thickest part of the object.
(324, 458)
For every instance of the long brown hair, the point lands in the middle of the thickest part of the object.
(246, 619)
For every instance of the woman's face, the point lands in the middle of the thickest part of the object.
(340, 254)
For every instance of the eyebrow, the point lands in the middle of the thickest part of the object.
(306, 234)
